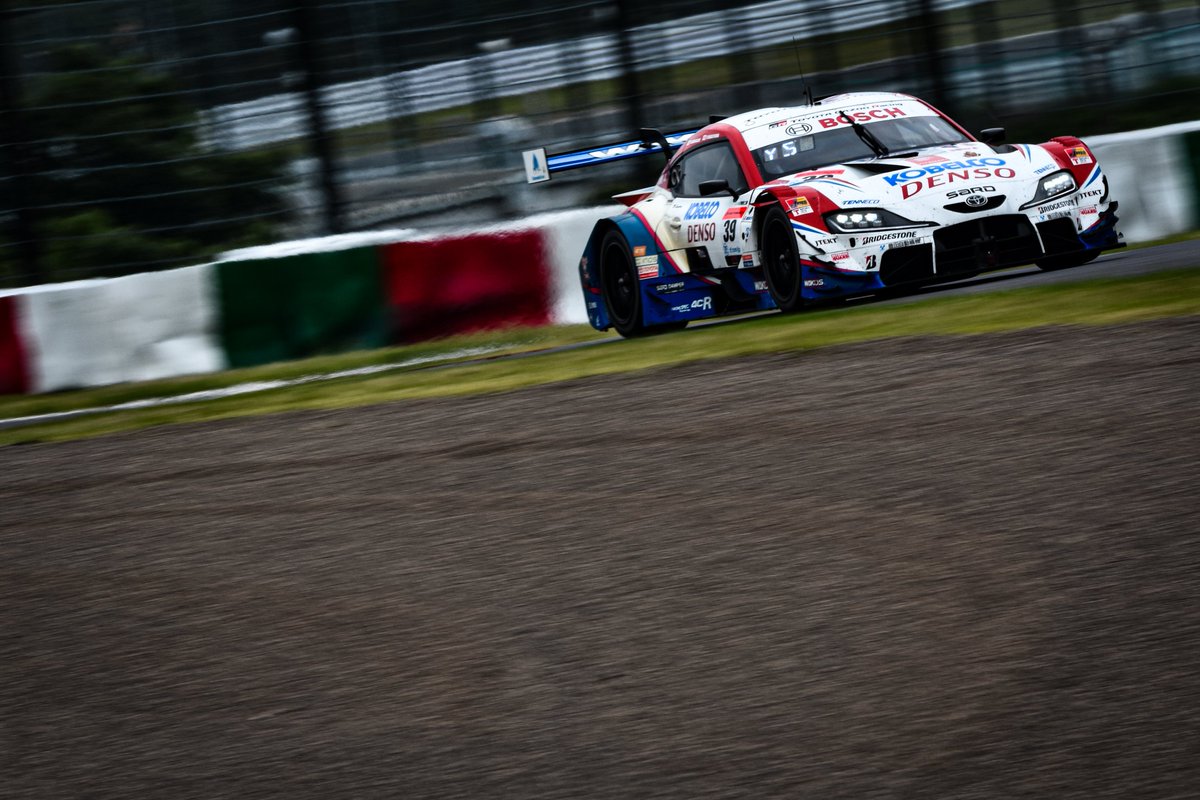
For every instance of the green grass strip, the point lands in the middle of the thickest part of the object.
(1092, 303)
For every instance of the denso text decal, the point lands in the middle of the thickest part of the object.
(897, 178)
(907, 190)
(705, 232)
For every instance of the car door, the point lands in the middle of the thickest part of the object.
(704, 227)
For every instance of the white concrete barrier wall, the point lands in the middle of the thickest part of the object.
(166, 323)
(564, 235)
(135, 328)
(1149, 176)
(565, 232)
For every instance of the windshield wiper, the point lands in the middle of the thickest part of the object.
(868, 138)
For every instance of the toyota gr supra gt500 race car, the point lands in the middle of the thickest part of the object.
(853, 194)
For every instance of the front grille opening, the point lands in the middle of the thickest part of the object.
(1059, 236)
(902, 265)
(983, 244)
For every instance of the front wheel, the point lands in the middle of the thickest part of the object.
(781, 260)
(619, 285)
(1051, 263)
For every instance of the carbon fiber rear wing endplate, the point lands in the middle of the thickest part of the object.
(539, 166)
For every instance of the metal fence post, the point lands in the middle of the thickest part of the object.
(14, 137)
(630, 85)
(983, 29)
(304, 16)
(741, 57)
(930, 44)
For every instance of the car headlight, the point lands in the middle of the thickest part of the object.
(869, 219)
(1053, 185)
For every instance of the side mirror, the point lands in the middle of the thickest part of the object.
(716, 186)
(992, 135)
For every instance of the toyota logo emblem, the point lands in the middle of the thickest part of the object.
(976, 200)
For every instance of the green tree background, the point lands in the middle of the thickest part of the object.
(122, 181)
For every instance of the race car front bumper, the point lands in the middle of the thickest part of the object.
(991, 243)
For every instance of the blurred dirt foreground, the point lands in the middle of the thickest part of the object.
(930, 568)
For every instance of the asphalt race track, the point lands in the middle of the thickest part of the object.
(926, 568)
(1118, 264)
(1114, 264)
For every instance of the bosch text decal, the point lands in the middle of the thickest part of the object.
(862, 116)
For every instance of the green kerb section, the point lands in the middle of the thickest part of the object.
(298, 306)
(1191, 146)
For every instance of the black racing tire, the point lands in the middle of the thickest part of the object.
(1051, 263)
(619, 285)
(781, 260)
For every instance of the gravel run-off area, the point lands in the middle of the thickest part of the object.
(923, 568)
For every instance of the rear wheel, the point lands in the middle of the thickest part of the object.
(1051, 263)
(781, 260)
(619, 285)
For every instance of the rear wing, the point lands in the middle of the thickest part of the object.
(539, 166)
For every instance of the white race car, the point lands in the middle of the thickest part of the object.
(853, 194)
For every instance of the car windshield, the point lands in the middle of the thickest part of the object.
(841, 144)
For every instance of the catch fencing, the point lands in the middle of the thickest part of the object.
(141, 136)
